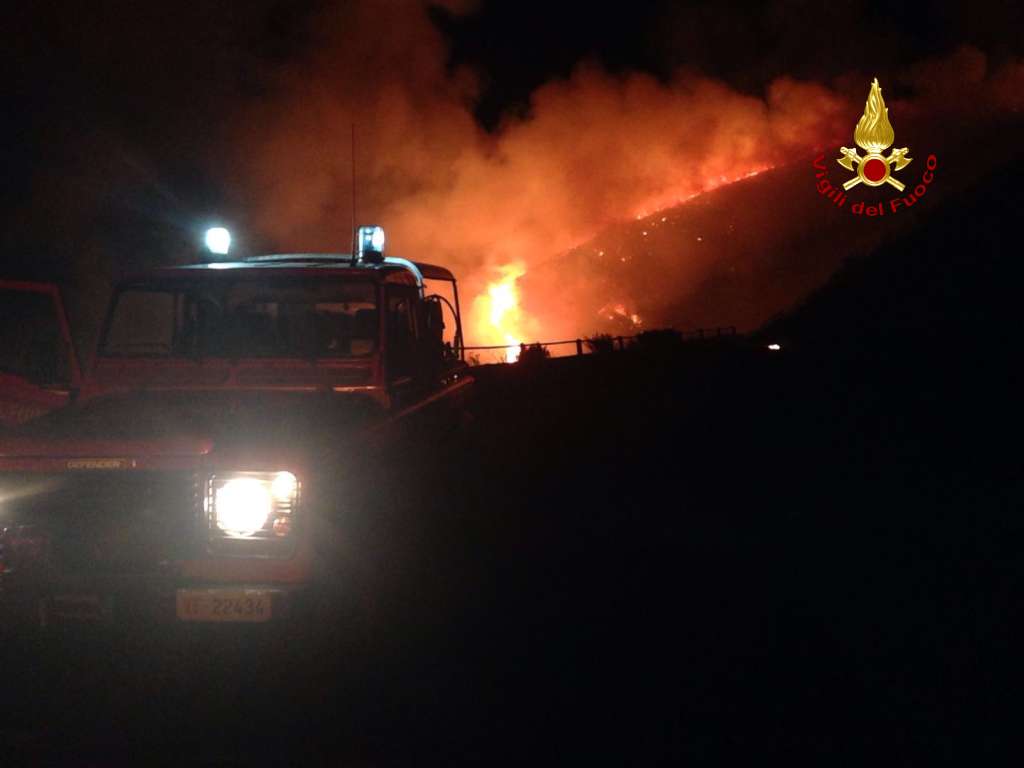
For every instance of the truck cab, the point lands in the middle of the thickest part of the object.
(296, 320)
(200, 470)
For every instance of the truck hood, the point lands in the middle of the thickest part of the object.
(167, 427)
(57, 454)
(26, 447)
(124, 375)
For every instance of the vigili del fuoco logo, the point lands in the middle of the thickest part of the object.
(874, 134)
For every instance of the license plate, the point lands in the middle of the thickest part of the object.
(224, 605)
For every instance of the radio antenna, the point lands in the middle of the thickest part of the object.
(352, 229)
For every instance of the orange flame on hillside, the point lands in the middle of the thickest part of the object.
(498, 312)
(671, 198)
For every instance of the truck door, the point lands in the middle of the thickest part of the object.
(38, 368)
(400, 347)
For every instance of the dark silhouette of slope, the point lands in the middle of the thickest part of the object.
(730, 550)
(951, 283)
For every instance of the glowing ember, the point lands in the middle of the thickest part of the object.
(500, 317)
(618, 310)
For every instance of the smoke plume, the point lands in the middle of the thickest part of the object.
(593, 149)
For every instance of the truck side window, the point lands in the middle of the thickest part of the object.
(142, 324)
(401, 341)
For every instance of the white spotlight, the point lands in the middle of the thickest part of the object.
(218, 240)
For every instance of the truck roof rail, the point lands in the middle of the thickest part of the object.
(305, 257)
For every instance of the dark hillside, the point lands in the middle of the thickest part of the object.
(952, 282)
(722, 548)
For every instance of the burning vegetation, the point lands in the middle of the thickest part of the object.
(507, 208)
(593, 150)
(497, 312)
(514, 207)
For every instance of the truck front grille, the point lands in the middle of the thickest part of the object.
(109, 521)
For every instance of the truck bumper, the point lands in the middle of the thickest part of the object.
(135, 601)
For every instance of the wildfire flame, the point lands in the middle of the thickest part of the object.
(500, 315)
(671, 198)
(874, 131)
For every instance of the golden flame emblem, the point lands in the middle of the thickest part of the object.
(874, 134)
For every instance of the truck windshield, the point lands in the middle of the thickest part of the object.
(247, 317)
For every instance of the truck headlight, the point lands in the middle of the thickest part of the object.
(242, 506)
(248, 505)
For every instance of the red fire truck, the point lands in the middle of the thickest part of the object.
(190, 475)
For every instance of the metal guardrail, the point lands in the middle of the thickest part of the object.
(617, 342)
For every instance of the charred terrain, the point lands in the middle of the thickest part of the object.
(681, 551)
